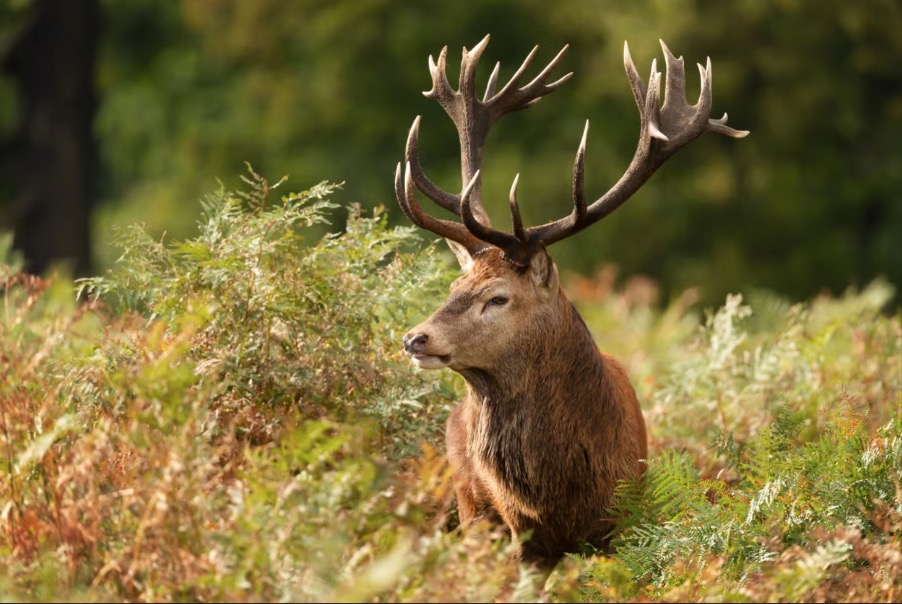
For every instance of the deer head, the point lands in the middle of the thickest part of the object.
(509, 281)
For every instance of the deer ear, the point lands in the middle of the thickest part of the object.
(463, 255)
(543, 272)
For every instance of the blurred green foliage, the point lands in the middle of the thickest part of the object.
(812, 200)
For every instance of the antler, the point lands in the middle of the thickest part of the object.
(663, 131)
(473, 118)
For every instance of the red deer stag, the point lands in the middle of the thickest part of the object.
(549, 424)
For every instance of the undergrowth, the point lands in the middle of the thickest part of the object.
(231, 417)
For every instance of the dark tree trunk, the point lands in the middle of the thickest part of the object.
(52, 158)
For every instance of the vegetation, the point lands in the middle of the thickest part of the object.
(809, 201)
(327, 90)
(231, 417)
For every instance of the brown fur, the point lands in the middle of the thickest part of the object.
(549, 424)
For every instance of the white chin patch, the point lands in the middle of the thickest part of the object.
(426, 361)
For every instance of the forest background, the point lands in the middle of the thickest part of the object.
(226, 413)
(186, 92)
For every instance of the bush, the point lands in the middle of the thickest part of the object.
(778, 465)
(231, 417)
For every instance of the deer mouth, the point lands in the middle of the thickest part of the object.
(431, 361)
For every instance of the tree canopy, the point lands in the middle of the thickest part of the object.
(318, 90)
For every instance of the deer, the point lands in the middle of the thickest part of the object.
(549, 425)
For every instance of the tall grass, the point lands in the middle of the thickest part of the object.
(231, 417)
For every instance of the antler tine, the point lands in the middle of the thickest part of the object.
(704, 96)
(412, 158)
(651, 115)
(401, 196)
(409, 205)
(468, 63)
(484, 233)
(516, 220)
(675, 90)
(493, 82)
(441, 87)
(539, 80)
(511, 83)
(511, 98)
(719, 126)
(579, 175)
(407, 199)
(636, 83)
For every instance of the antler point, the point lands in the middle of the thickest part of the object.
(516, 219)
(655, 133)
(408, 177)
(413, 137)
(477, 50)
(513, 191)
(668, 55)
(473, 180)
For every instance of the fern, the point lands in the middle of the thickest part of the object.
(231, 417)
(812, 466)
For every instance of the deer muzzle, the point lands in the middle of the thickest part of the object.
(416, 345)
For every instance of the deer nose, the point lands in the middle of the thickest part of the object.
(416, 343)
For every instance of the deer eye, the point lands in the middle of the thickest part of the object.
(498, 301)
